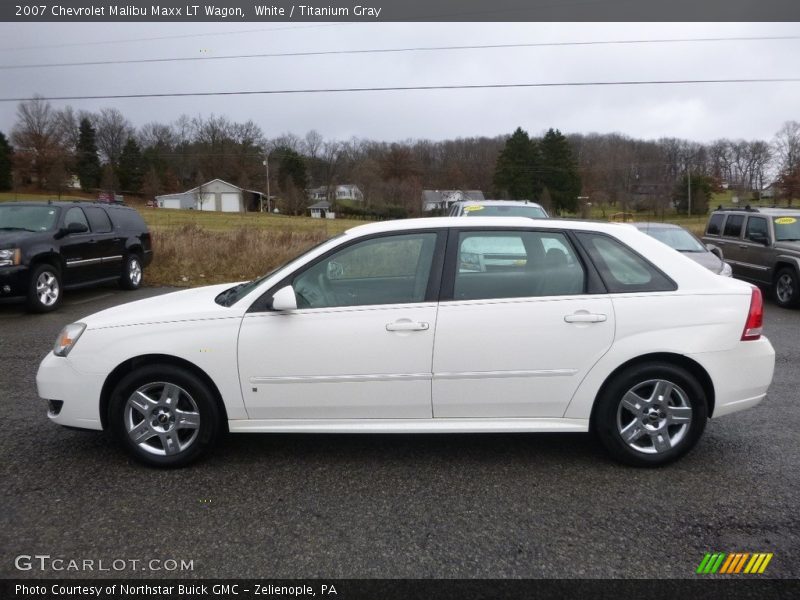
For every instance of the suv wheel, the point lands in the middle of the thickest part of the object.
(164, 416)
(132, 273)
(44, 289)
(651, 414)
(787, 288)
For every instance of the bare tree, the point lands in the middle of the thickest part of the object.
(38, 139)
(113, 130)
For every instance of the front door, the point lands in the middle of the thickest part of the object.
(80, 251)
(359, 345)
(519, 333)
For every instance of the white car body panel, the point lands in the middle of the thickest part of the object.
(339, 370)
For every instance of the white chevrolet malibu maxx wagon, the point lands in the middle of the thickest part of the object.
(428, 325)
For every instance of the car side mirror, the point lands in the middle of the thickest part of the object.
(284, 299)
(76, 228)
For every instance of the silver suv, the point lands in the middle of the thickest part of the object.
(762, 246)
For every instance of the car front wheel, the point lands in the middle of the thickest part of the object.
(787, 290)
(651, 414)
(132, 273)
(44, 289)
(164, 416)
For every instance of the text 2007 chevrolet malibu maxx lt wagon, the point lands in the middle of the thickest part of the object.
(428, 325)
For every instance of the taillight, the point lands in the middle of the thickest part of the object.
(755, 317)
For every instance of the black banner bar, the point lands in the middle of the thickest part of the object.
(371, 11)
(402, 589)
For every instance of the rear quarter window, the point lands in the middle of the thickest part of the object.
(127, 219)
(621, 268)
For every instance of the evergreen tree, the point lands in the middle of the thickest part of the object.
(702, 188)
(560, 171)
(87, 163)
(516, 172)
(6, 162)
(131, 167)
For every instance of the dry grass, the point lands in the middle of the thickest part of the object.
(190, 255)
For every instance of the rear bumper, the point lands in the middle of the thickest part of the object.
(740, 376)
(79, 393)
(14, 281)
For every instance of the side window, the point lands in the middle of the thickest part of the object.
(733, 226)
(75, 215)
(98, 219)
(757, 230)
(387, 270)
(515, 264)
(715, 224)
(622, 269)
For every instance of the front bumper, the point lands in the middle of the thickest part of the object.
(14, 281)
(740, 376)
(58, 380)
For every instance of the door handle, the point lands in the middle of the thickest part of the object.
(584, 317)
(406, 325)
(742, 246)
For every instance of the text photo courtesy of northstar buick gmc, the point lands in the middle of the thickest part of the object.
(428, 326)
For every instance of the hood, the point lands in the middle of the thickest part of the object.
(707, 259)
(13, 238)
(185, 305)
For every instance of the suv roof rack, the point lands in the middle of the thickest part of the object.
(747, 208)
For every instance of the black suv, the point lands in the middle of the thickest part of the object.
(46, 248)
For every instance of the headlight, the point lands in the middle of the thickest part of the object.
(68, 338)
(10, 257)
(726, 270)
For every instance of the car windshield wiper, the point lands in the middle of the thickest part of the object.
(16, 229)
(227, 297)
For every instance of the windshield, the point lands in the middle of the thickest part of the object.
(27, 218)
(786, 229)
(232, 295)
(680, 239)
(502, 210)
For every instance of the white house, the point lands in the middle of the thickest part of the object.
(347, 192)
(215, 196)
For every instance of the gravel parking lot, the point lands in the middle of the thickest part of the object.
(485, 506)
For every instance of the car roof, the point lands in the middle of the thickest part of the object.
(499, 202)
(770, 211)
(65, 203)
(485, 222)
(645, 225)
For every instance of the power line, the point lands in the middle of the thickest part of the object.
(173, 37)
(412, 88)
(401, 50)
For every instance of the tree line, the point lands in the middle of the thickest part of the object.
(47, 147)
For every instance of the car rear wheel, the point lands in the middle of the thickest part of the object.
(164, 416)
(44, 289)
(132, 273)
(787, 288)
(651, 414)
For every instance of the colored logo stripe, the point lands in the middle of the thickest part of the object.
(734, 563)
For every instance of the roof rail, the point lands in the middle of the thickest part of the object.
(747, 208)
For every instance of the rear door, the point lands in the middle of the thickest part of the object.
(731, 243)
(517, 330)
(108, 245)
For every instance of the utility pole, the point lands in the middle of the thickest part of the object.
(266, 164)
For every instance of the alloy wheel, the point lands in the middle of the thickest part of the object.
(47, 289)
(784, 288)
(654, 416)
(162, 418)
(134, 271)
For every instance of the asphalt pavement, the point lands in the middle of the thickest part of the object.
(416, 506)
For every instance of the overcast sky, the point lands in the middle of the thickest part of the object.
(699, 112)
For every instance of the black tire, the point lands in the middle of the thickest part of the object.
(132, 273)
(786, 288)
(193, 397)
(653, 430)
(44, 288)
